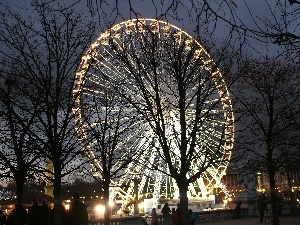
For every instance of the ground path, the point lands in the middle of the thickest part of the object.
(286, 220)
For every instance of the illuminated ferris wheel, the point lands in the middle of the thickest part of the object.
(103, 68)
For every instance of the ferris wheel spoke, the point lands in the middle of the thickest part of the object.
(135, 61)
(112, 71)
(131, 63)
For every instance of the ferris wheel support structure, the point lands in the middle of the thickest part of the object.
(101, 69)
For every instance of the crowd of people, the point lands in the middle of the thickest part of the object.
(171, 216)
(42, 214)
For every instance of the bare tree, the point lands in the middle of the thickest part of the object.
(176, 92)
(18, 157)
(200, 16)
(201, 12)
(268, 93)
(47, 47)
(280, 26)
(104, 127)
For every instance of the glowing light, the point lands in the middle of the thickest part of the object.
(90, 84)
(67, 206)
(111, 203)
(99, 208)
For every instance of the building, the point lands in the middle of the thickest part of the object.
(235, 181)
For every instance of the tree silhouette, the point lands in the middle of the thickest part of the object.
(18, 157)
(268, 93)
(45, 49)
(106, 144)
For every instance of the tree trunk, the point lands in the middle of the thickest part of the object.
(183, 188)
(106, 202)
(57, 195)
(274, 199)
(18, 211)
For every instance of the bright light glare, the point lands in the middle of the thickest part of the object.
(99, 208)
(67, 206)
(141, 205)
(111, 203)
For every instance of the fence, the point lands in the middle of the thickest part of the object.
(214, 215)
(202, 217)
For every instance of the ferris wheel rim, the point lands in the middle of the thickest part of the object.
(216, 76)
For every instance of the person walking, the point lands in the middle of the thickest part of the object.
(154, 217)
(174, 217)
(166, 211)
(261, 205)
(78, 214)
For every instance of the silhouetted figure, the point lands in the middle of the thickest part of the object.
(261, 206)
(192, 217)
(33, 213)
(44, 212)
(166, 211)
(78, 214)
(10, 219)
(174, 217)
(280, 204)
(63, 216)
(238, 208)
(154, 217)
(18, 215)
(2, 218)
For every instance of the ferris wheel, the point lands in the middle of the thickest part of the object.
(104, 68)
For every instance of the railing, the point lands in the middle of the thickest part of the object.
(217, 215)
(126, 220)
(201, 217)
(286, 209)
(204, 216)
